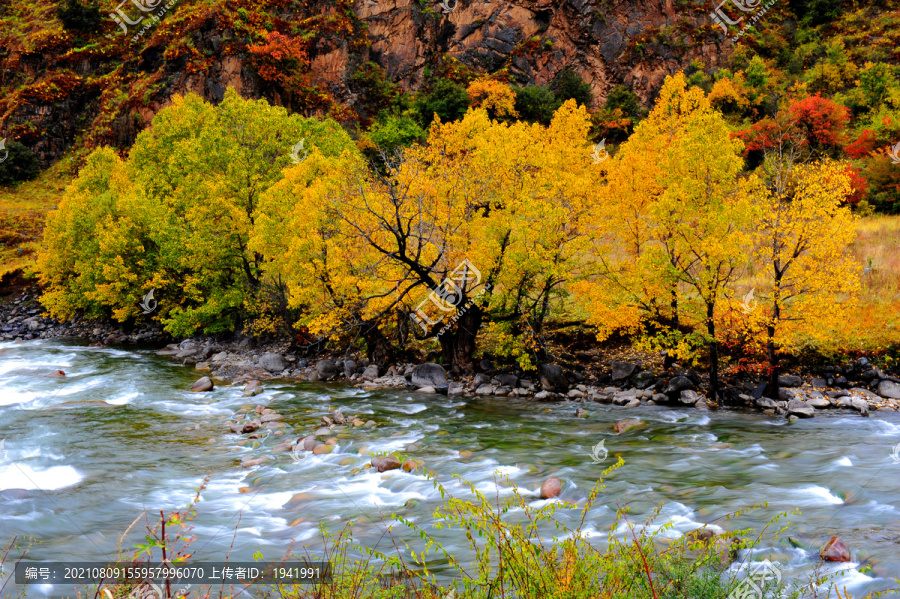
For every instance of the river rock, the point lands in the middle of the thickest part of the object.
(370, 373)
(249, 427)
(790, 380)
(338, 416)
(272, 362)
(798, 407)
(508, 380)
(552, 487)
(331, 441)
(284, 446)
(409, 466)
(385, 463)
(327, 422)
(480, 379)
(427, 390)
(817, 400)
(57, 373)
(677, 384)
(307, 443)
(484, 390)
(889, 389)
(271, 417)
(835, 551)
(250, 462)
(349, 368)
(203, 384)
(628, 423)
(689, 397)
(552, 378)
(766, 403)
(429, 375)
(357, 422)
(622, 370)
(322, 449)
(326, 369)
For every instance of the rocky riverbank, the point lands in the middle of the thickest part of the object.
(583, 377)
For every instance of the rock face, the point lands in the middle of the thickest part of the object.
(552, 378)
(429, 375)
(552, 487)
(204, 384)
(835, 551)
(272, 362)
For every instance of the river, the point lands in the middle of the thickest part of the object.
(85, 454)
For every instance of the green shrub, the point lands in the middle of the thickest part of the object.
(569, 85)
(536, 104)
(80, 16)
(20, 164)
(447, 100)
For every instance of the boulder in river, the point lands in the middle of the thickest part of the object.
(203, 384)
(338, 416)
(800, 408)
(835, 551)
(429, 375)
(272, 362)
(385, 463)
(628, 423)
(322, 448)
(677, 384)
(57, 373)
(552, 487)
(689, 397)
(308, 443)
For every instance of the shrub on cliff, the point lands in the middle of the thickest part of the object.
(448, 100)
(20, 164)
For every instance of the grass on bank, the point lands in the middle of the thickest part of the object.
(520, 552)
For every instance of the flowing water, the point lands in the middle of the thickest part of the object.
(85, 454)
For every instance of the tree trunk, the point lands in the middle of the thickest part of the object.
(458, 343)
(772, 350)
(670, 357)
(713, 354)
(378, 347)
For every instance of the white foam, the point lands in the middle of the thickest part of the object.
(821, 493)
(123, 399)
(844, 461)
(413, 408)
(23, 476)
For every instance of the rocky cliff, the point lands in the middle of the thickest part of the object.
(61, 88)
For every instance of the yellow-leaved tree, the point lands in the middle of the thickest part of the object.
(481, 221)
(807, 278)
(670, 232)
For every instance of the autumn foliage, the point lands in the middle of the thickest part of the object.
(660, 241)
